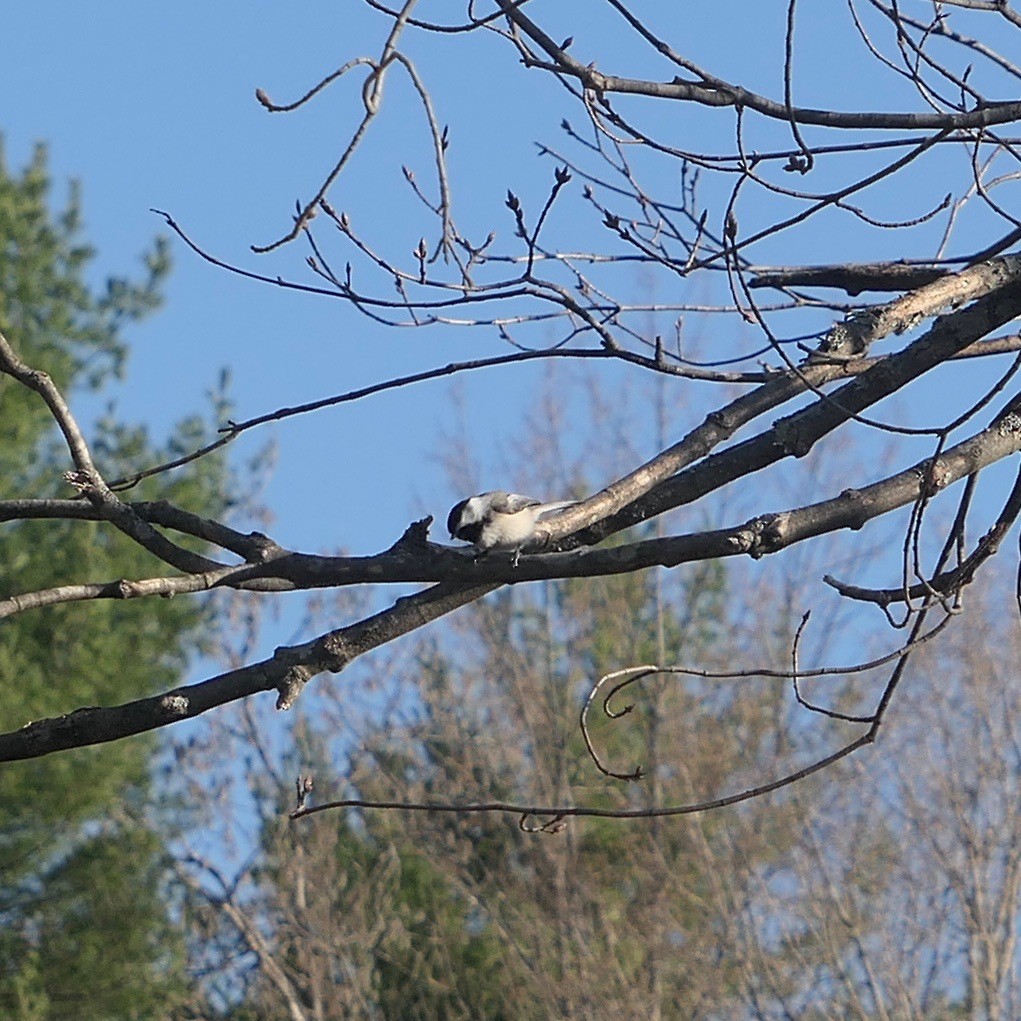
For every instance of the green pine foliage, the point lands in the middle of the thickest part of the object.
(85, 931)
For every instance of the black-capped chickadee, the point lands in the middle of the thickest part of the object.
(499, 520)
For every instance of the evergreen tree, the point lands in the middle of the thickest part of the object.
(85, 931)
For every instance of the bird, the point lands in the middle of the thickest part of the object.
(499, 520)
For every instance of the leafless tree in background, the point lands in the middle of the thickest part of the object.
(821, 338)
(884, 888)
(903, 898)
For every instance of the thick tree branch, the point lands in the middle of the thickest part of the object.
(252, 546)
(944, 583)
(713, 91)
(653, 488)
(413, 559)
(850, 277)
(286, 671)
(289, 669)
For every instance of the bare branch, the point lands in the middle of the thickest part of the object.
(87, 480)
(286, 671)
(717, 92)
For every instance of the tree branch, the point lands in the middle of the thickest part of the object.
(286, 671)
(714, 91)
(87, 479)
(289, 669)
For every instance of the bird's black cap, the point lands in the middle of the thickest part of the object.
(454, 517)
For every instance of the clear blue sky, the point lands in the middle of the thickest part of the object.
(153, 106)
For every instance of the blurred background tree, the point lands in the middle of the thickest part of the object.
(85, 930)
(887, 889)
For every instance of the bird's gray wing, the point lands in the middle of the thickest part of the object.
(552, 508)
(510, 503)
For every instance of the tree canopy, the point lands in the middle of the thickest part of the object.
(86, 931)
(723, 232)
(619, 780)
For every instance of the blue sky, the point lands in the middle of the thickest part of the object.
(153, 106)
